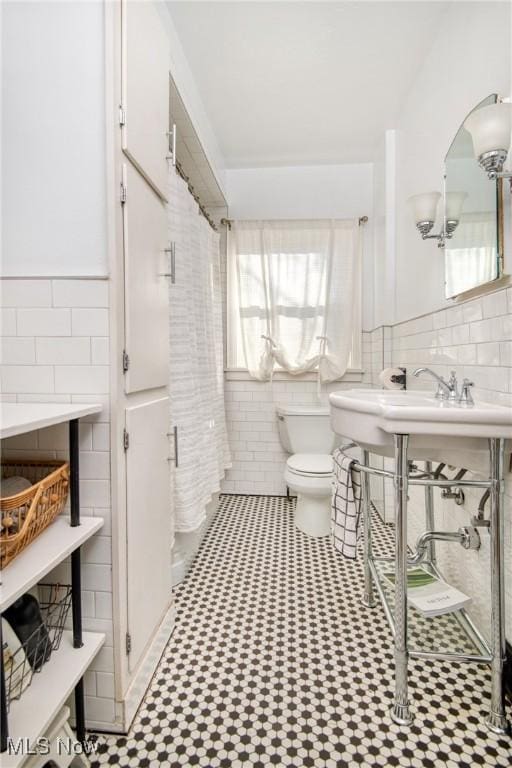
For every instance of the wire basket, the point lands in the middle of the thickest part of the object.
(36, 650)
(25, 515)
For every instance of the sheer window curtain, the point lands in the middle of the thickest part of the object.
(196, 385)
(473, 253)
(294, 297)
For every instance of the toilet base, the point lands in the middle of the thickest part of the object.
(313, 515)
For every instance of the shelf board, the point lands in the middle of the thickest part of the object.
(30, 716)
(50, 548)
(432, 634)
(19, 418)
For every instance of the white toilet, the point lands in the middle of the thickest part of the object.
(305, 432)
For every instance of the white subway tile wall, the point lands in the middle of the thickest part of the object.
(475, 339)
(54, 348)
(258, 460)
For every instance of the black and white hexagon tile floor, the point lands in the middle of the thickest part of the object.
(274, 661)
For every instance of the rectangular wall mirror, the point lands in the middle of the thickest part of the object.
(472, 254)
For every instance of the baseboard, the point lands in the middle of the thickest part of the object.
(142, 679)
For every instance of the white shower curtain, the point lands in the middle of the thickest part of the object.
(196, 358)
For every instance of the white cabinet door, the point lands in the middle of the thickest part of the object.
(145, 88)
(149, 524)
(146, 286)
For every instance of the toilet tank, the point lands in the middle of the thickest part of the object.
(305, 429)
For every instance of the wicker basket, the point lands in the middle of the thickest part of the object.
(25, 515)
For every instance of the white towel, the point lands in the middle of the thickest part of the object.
(345, 505)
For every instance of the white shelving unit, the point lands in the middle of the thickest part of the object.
(19, 418)
(56, 543)
(32, 714)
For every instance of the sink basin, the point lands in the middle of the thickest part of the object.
(439, 431)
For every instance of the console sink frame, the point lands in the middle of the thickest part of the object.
(493, 654)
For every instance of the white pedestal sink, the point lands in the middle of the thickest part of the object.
(416, 425)
(438, 430)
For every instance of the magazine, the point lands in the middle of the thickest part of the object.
(430, 595)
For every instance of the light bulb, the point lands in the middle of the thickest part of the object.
(424, 206)
(490, 128)
(454, 203)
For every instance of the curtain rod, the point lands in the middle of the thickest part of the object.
(227, 222)
(191, 189)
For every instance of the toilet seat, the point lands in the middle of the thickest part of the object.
(310, 464)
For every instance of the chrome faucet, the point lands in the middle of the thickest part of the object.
(446, 390)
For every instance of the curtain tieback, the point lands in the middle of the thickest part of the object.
(322, 354)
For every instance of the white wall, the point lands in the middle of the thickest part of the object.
(384, 230)
(300, 192)
(53, 139)
(309, 192)
(469, 59)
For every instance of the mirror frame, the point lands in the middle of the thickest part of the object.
(499, 212)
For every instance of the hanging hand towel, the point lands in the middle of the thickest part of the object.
(345, 505)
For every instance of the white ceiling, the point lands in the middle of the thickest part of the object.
(300, 83)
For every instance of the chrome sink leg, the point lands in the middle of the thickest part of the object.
(497, 721)
(368, 599)
(429, 516)
(400, 712)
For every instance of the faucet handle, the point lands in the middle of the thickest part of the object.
(453, 385)
(465, 397)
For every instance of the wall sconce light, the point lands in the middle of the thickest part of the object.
(453, 210)
(490, 129)
(424, 208)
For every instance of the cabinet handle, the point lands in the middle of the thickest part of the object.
(175, 431)
(171, 250)
(171, 136)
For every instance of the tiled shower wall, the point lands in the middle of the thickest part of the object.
(54, 348)
(475, 339)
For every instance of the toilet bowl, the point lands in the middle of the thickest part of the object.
(305, 432)
(309, 476)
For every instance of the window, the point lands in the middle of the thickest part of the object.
(294, 297)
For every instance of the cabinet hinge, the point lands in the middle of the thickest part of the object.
(122, 115)
(126, 361)
(122, 195)
(126, 440)
(128, 643)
